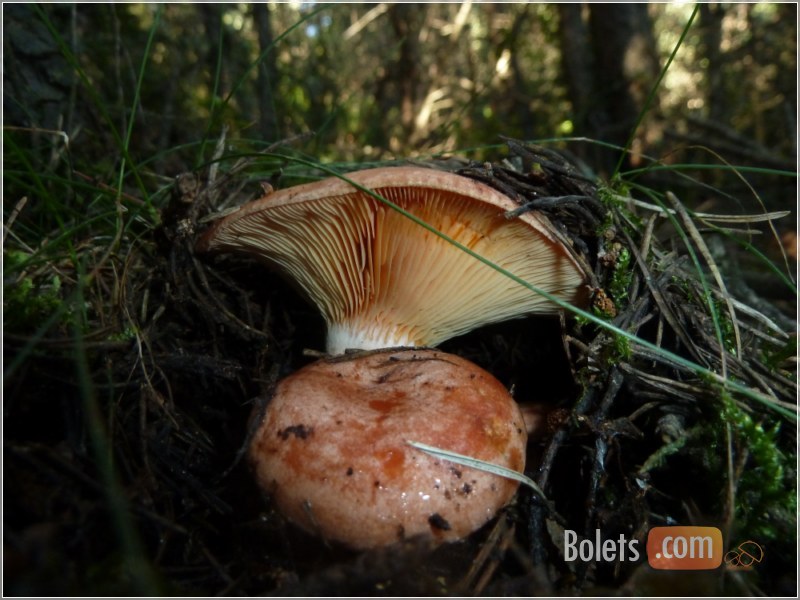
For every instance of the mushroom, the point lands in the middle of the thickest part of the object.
(331, 445)
(332, 449)
(379, 278)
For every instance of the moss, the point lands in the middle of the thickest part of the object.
(609, 197)
(766, 494)
(777, 356)
(659, 458)
(621, 277)
(28, 302)
(686, 289)
(725, 326)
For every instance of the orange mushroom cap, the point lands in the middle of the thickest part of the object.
(332, 450)
(379, 278)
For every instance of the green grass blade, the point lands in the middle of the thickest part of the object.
(651, 96)
(212, 120)
(137, 567)
(707, 295)
(703, 167)
(480, 465)
(136, 98)
(36, 178)
(93, 95)
(253, 65)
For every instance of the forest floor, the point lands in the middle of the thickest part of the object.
(131, 372)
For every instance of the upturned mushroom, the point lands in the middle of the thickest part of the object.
(379, 278)
(331, 446)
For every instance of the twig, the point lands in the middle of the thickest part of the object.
(710, 217)
(712, 265)
(13, 217)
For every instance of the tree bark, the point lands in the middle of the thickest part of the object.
(576, 64)
(36, 78)
(398, 89)
(212, 20)
(626, 66)
(267, 74)
(711, 35)
(406, 20)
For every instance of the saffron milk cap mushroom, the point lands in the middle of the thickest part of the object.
(380, 279)
(332, 448)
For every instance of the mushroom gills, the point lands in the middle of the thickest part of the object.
(382, 280)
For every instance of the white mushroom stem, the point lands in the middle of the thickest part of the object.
(344, 336)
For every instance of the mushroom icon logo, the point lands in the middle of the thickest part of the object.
(744, 556)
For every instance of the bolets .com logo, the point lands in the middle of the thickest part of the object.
(687, 548)
(694, 548)
(674, 548)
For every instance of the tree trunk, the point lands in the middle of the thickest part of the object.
(711, 35)
(406, 20)
(36, 78)
(397, 91)
(518, 90)
(212, 20)
(267, 74)
(626, 66)
(576, 64)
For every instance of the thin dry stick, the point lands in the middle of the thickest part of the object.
(704, 251)
(218, 151)
(104, 186)
(755, 315)
(707, 217)
(487, 549)
(500, 552)
(663, 306)
(113, 246)
(644, 251)
(13, 216)
(222, 308)
(62, 134)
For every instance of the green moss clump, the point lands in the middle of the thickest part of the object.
(27, 302)
(621, 277)
(766, 493)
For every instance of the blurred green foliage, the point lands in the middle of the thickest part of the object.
(374, 81)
